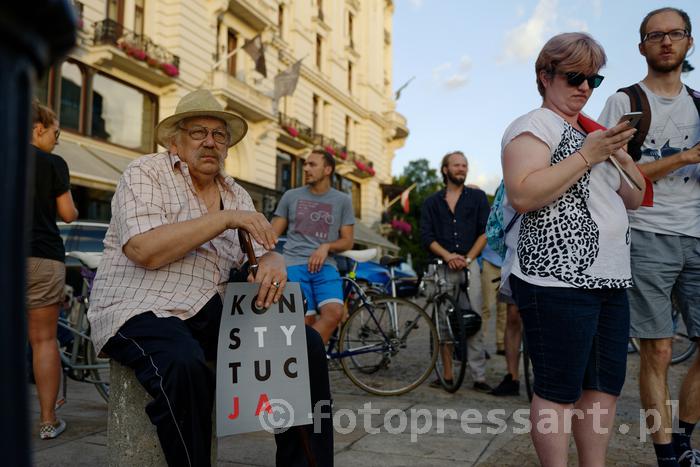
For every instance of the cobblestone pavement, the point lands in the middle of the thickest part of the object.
(84, 442)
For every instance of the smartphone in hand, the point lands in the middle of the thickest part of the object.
(632, 118)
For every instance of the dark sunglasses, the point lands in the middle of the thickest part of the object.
(575, 78)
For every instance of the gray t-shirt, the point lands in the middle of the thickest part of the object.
(675, 127)
(312, 220)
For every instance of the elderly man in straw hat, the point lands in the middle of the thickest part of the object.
(156, 302)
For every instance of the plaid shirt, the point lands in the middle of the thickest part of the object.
(157, 190)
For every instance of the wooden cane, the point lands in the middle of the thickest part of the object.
(247, 246)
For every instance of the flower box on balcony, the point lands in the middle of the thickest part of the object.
(292, 131)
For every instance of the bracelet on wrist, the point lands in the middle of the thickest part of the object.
(588, 164)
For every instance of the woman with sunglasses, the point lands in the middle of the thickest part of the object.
(571, 265)
(45, 265)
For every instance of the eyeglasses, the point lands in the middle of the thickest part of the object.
(56, 134)
(575, 78)
(658, 36)
(199, 133)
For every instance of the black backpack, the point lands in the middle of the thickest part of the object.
(640, 103)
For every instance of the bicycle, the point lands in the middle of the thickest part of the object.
(447, 319)
(682, 346)
(78, 358)
(381, 345)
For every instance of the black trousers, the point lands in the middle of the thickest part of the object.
(169, 358)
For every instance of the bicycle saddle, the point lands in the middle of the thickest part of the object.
(360, 256)
(90, 260)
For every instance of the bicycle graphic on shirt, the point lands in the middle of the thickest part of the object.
(316, 216)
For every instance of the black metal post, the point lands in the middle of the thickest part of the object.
(33, 35)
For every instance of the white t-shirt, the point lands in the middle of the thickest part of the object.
(582, 238)
(674, 127)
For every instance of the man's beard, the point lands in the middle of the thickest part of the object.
(456, 179)
(661, 67)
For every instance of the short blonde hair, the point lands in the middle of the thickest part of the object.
(570, 51)
(42, 114)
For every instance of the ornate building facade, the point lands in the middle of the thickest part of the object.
(136, 58)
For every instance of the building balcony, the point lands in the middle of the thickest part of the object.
(295, 134)
(254, 12)
(117, 47)
(242, 97)
(398, 123)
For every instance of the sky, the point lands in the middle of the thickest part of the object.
(474, 68)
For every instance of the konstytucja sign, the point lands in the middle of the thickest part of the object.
(262, 371)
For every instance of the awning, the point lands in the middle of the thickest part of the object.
(368, 237)
(90, 167)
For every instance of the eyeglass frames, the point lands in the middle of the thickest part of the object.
(658, 36)
(199, 133)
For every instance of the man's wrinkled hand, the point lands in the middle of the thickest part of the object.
(272, 277)
(256, 225)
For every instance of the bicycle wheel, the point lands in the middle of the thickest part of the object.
(527, 371)
(450, 329)
(681, 344)
(384, 357)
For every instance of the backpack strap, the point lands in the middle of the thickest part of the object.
(639, 103)
(695, 96)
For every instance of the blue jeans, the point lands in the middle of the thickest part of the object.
(577, 338)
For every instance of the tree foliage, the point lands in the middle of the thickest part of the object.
(428, 182)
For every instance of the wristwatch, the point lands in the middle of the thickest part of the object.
(469, 260)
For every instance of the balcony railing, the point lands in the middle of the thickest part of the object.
(136, 45)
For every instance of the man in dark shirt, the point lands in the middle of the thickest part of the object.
(453, 225)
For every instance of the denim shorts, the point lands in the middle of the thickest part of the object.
(576, 338)
(319, 288)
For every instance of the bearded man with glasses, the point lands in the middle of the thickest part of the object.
(665, 251)
(156, 303)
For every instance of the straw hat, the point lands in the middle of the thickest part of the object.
(201, 103)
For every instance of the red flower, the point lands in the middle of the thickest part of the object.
(360, 165)
(170, 69)
(343, 155)
(137, 53)
(401, 226)
(330, 150)
(292, 131)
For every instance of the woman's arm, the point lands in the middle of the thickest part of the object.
(532, 182)
(65, 207)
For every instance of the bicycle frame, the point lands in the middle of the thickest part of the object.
(351, 286)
